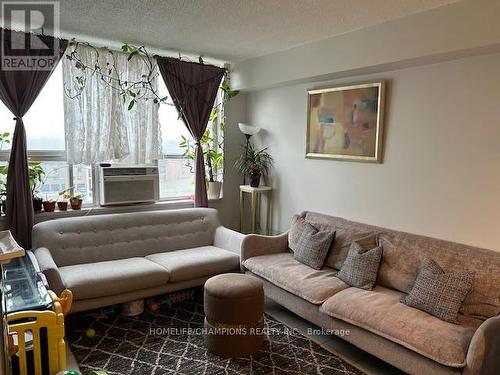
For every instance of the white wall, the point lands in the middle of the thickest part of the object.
(228, 207)
(460, 29)
(441, 171)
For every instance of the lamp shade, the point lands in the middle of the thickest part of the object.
(248, 129)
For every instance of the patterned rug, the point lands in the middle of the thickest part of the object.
(169, 342)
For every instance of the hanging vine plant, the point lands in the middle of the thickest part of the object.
(131, 91)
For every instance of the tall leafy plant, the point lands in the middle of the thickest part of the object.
(254, 163)
(212, 150)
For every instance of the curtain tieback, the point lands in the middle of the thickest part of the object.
(16, 118)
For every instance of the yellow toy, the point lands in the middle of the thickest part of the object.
(34, 321)
(90, 332)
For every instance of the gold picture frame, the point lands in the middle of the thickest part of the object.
(346, 122)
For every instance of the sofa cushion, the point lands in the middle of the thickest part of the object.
(196, 262)
(438, 293)
(101, 279)
(313, 245)
(381, 312)
(287, 273)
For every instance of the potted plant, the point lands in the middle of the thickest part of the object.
(254, 164)
(62, 205)
(35, 175)
(75, 199)
(213, 158)
(49, 205)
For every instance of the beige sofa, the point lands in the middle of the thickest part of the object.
(109, 259)
(378, 322)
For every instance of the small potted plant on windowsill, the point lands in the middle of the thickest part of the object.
(75, 199)
(62, 205)
(37, 201)
(49, 205)
(36, 173)
(254, 164)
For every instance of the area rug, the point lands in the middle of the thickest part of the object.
(169, 342)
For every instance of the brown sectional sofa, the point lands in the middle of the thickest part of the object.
(409, 339)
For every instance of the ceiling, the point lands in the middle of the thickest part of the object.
(232, 30)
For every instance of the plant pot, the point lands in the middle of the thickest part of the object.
(62, 206)
(214, 188)
(255, 180)
(49, 206)
(37, 204)
(76, 204)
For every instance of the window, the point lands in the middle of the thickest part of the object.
(45, 132)
(176, 177)
(44, 124)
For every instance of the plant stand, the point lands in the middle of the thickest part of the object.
(255, 198)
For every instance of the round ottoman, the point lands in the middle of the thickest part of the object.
(234, 315)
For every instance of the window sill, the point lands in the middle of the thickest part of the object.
(98, 210)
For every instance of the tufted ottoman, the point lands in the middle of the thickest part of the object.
(234, 320)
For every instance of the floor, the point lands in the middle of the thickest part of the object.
(350, 353)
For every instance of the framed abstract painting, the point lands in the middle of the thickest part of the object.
(346, 123)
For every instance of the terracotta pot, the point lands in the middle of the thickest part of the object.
(49, 206)
(255, 180)
(63, 206)
(37, 204)
(213, 191)
(76, 204)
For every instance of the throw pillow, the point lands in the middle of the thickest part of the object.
(360, 268)
(312, 246)
(438, 293)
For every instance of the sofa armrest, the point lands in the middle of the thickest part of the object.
(228, 239)
(49, 269)
(254, 245)
(483, 356)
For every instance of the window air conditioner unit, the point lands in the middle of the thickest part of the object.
(126, 184)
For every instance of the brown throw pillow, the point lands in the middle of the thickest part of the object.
(438, 293)
(312, 246)
(360, 268)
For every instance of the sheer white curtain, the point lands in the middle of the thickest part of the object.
(98, 125)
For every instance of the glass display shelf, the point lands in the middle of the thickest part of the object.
(23, 286)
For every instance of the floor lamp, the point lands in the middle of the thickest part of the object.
(248, 131)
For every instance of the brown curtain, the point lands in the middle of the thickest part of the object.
(18, 91)
(193, 88)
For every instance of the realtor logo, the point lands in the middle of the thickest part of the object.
(28, 49)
